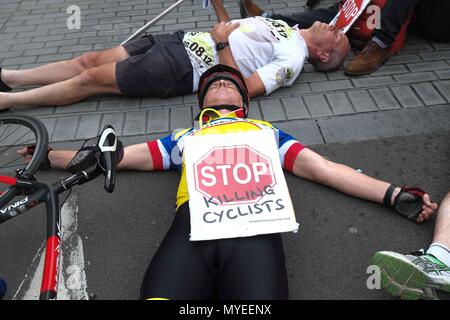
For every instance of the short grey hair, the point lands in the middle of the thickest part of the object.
(335, 61)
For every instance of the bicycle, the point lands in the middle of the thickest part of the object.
(97, 155)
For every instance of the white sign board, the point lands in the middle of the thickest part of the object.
(236, 186)
(349, 13)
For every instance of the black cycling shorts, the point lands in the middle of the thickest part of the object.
(250, 268)
(158, 67)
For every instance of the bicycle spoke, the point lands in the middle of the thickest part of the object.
(27, 133)
(17, 136)
(7, 164)
(7, 126)
(12, 139)
(19, 145)
(12, 132)
(20, 137)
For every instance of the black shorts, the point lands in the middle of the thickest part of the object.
(158, 67)
(250, 268)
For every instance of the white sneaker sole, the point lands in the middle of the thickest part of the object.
(401, 278)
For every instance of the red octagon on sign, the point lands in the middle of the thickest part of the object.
(348, 11)
(234, 175)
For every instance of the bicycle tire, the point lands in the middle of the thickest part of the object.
(40, 135)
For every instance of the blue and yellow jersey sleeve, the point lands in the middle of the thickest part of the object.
(165, 152)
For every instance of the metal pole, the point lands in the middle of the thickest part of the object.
(144, 29)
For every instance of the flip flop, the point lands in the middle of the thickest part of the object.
(3, 86)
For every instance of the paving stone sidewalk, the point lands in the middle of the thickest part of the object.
(410, 94)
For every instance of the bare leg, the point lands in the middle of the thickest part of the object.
(442, 228)
(90, 82)
(62, 70)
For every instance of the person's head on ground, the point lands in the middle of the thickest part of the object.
(327, 46)
(223, 89)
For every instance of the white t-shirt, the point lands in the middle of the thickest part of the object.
(269, 47)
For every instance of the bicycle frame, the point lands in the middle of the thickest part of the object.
(37, 193)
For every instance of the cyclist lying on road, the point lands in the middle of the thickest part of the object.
(225, 268)
(269, 53)
(377, 44)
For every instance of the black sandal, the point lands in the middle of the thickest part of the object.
(3, 86)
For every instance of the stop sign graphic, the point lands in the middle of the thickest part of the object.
(349, 10)
(234, 175)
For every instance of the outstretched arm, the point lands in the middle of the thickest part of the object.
(312, 166)
(135, 157)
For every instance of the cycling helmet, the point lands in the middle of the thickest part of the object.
(223, 72)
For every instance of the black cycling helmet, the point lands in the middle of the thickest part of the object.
(223, 72)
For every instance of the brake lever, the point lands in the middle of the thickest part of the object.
(110, 175)
(108, 146)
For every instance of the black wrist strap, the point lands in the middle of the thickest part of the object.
(388, 195)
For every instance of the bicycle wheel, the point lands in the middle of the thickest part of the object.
(17, 132)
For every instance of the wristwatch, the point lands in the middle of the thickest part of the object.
(221, 45)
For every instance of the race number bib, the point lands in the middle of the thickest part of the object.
(236, 186)
(199, 47)
(280, 28)
(265, 30)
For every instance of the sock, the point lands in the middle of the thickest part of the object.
(440, 252)
(378, 42)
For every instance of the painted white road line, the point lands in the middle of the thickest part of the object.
(34, 281)
(72, 278)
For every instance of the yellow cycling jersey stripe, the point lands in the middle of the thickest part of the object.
(157, 299)
(181, 133)
(235, 122)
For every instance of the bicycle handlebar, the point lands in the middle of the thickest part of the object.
(88, 163)
(36, 192)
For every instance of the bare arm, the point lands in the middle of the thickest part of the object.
(254, 83)
(312, 166)
(135, 157)
(221, 12)
(220, 33)
(60, 158)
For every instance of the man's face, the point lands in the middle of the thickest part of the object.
(223, 92)
(327, 37)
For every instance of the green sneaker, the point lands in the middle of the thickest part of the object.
(412, 276)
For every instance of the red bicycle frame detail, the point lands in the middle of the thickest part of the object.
(8, 180)
(41, 193)
(49, 285)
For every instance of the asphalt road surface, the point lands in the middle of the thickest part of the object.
(327, 259)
